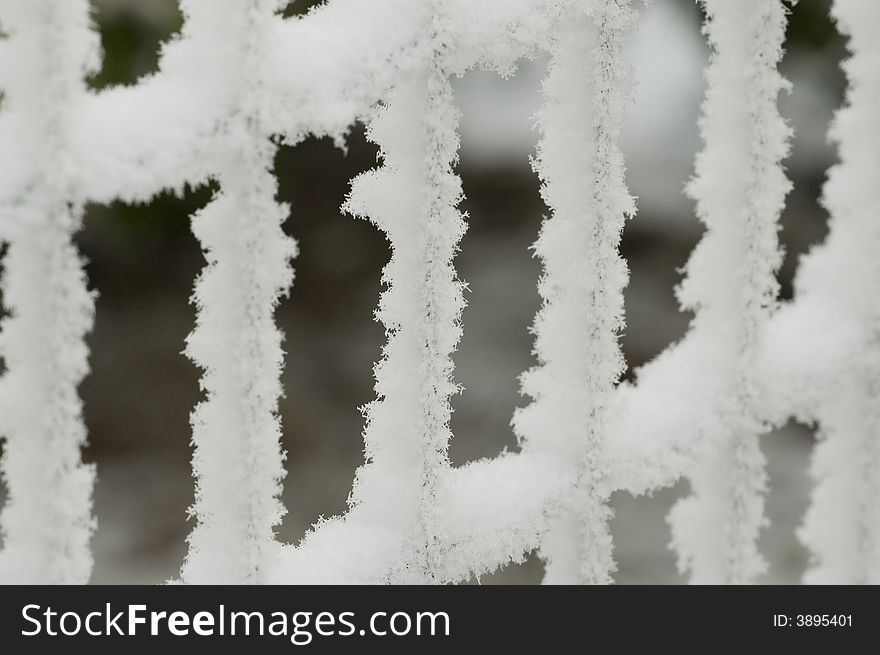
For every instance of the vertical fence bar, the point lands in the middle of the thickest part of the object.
(47, 522)
(842, 525)
(413, 199)
(576, 331)
(238, 462)
(740, 190)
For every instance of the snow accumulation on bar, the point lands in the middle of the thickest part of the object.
(587, 90)
(413, 199)
(47, 521)
(740, 189)
(237, 462)
(322, 72)
(838, 295)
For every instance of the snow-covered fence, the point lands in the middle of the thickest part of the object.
(238, 80)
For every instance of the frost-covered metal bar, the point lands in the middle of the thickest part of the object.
(740, 189)
(413, 199)
(47, 522)
(237, 462)
(842, 279)
(586, 92)
(323, 72)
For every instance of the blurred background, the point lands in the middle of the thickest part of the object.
(143, 260)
